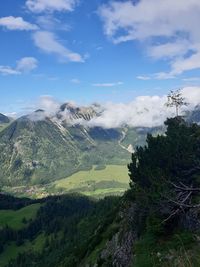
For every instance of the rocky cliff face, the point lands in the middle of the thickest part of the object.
(71, 112)
(119, 250)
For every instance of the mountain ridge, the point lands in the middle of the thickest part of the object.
(39, 147)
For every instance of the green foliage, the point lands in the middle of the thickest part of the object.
(170, 158)
(156, 171)
(38, 152)
(15, 219)
(64, 230)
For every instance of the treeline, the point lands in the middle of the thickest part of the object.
(71, 226)
(13, 203)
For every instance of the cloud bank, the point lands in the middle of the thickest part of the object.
(143, 111)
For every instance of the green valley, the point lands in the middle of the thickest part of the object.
(97, 182)
(154, 223)
(112, 180)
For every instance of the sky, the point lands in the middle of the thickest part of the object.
(96, 51)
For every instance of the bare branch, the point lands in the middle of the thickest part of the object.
(185, 188)
(170, 216)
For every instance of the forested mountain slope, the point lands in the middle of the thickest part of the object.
(156, 222)
(35, 151)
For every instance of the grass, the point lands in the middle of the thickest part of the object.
(14, 218)
(11, 251)
(3, 126)
(109, 181)
(97, 182)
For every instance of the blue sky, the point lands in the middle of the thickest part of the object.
(96, 51)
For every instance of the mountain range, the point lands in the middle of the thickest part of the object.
(39, 148)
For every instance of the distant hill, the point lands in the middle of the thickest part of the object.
(4, 119)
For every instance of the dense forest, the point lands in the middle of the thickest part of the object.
(155, 223)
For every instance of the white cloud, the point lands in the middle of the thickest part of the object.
(48, 103)
(46, 106)
(107, 84)
(50, 23)
(169, 50)
(27, 64)
(191, 79)
(171, 28)
(75, 81)
(156, 76)
(38, 6)
(11, 114)
(143, 111)
(48, 43)
(17, 23)
(143, 77)
(192, 95)
(24, 65)
(163, 76)
(7, 70)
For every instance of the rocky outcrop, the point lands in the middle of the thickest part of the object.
(118, 251)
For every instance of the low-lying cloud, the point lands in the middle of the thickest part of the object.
(143, 111)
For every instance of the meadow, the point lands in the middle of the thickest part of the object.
(112, 180)
(14, 219)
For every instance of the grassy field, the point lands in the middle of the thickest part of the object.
(109, 181)
(14, 218)
(98, 182)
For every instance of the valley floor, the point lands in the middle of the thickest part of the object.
(98, 182)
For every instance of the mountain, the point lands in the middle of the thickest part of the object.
(37, 148)
(40, 148)
(4, 119)
(155, 223)
(85, 113)
(194, 115)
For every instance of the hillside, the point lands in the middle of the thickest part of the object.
(38, 148)
(4, 121)
(29, 147)
(36, 151)
(155, 223)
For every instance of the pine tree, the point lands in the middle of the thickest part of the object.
(175, 99)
